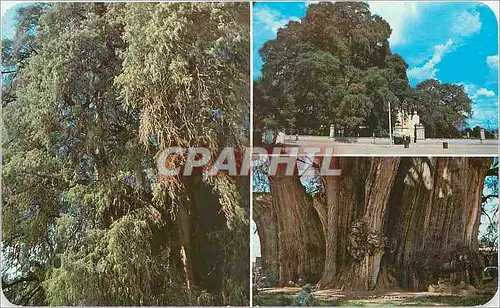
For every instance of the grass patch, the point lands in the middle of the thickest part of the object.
(287, 300)
(273, 300)
(451, 300)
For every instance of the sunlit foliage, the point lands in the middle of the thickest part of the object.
(98, 90)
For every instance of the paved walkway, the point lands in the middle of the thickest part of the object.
(381, 146)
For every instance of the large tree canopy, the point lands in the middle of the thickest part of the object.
(335, 66)
(98, 90)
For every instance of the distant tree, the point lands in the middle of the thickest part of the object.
(476, 131)
(443, 108)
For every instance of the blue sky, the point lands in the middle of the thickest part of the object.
(454, 42)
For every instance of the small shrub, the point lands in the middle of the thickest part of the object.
(305, 297)
(272, 279)
(399, 140)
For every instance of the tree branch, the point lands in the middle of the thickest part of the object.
(485, 198)
(6, 285)
(9, 72)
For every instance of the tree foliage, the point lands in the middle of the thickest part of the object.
(104, 88)
(443, 108)
(335, 66)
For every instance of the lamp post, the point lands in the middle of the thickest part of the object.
(390, 125)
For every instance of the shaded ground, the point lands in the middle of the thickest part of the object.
(286, 296)
(435, 300)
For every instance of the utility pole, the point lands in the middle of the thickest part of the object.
(390, 125)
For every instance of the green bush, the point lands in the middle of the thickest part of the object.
(272, 279)
(305, 297)
(399, 140)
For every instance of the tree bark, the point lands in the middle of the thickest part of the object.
(300, 237)
(386, 222)
(267, 226)
(344, 199)
(366, 238)
(434, 222)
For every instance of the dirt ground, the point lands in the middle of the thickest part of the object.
(281, 296)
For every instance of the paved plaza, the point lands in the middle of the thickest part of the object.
(381, 146)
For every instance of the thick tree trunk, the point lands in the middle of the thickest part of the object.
(185, 242)
(434, 220)
(366, 238)
(207, 223)
(343, 199)
(300, 238)
(387, 222)
(267, 226)
(201, 226)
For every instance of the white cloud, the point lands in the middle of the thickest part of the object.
(484, 105)
(485, 112)
(475, 92)
(271, 19)
(429, 70)
(484, 92)
(399, 15)
(466, 24)
(469, 88)
(487, 118)
(492, 62)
